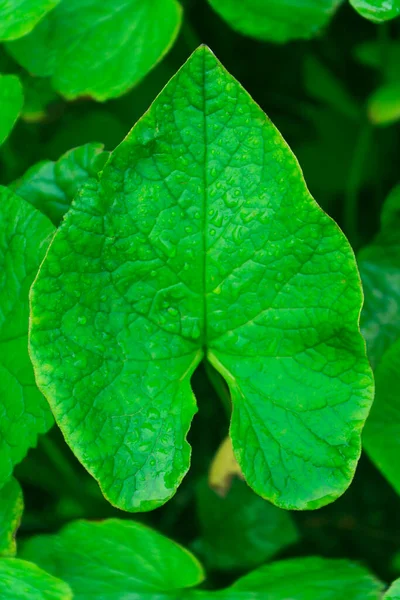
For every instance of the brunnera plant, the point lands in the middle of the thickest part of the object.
(200, 241)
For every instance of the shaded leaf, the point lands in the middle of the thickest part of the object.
(276, 20)
(382, 431)
(11, 507)
(51, 186)
(22, 580)
(11, 101)
(24, 413)
(240, 530)
(201, 238)
(99, 48)
(379, 265)
(116, 559)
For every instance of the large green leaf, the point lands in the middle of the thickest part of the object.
(11, 101)
(24, 413)
(116, 559)
(11, 507)
(200, 239)
(22, 580)
(51, 186)
(19, 17)
(379, 265)
(240, 530)
(99, 48)
(277, 20)
(377, 10)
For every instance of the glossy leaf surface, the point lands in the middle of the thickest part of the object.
(277, 20)
(51, 186)
(24, 236)
(19, 17)
(99, 48)
(201, 238)
(22, 580)
(116, 559)
(377, 10)
(11, 507)
(11, 101)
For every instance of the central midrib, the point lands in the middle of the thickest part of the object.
(205, 200)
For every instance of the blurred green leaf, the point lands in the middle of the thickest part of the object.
(384, 104)
(22, 580)
(379, 265)
(99, 48)
(19, 17)
(393, 592)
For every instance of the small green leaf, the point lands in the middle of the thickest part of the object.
(24, 236)
(201, 239)
(11, 507)
(11, 101)
(377, 10)
(115, 559)
(311, 578)
(277, 20)
(384, 104)
(240, 530)
(19, 17)
(99, 48)
(51, 186)
(379, 265)
(22, 580)
(393, 592)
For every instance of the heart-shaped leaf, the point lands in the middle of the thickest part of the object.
(201, 240)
